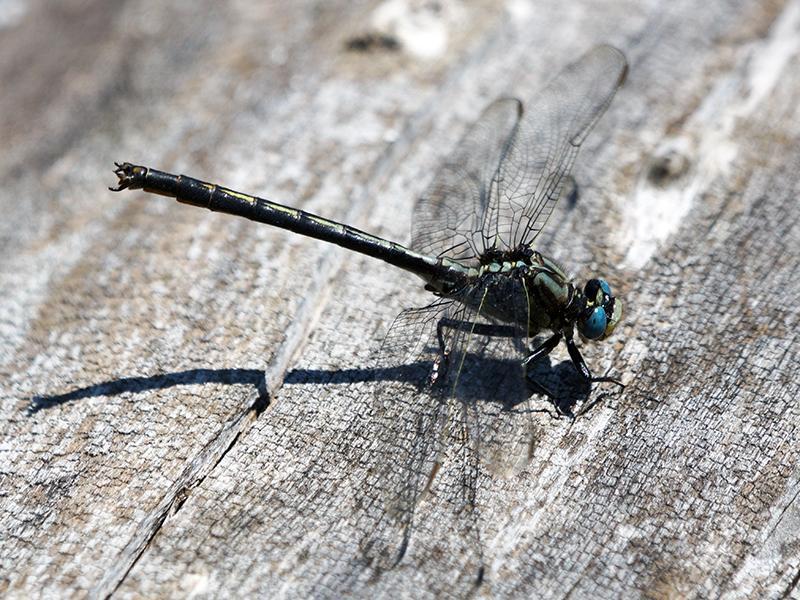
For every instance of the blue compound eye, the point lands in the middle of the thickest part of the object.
(593, 325)
(597, 291)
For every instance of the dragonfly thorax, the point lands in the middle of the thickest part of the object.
(531, 292)
(551, 295)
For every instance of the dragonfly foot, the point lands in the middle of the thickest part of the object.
(613, 380)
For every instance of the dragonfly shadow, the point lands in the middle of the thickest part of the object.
(500, 381)
(484, 379)
(116, 387)
(567, 388)
(409, 373)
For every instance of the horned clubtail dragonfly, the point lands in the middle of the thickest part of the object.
(472, 244)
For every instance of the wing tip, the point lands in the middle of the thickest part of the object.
(616, 55)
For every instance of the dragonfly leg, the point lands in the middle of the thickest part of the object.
(543, 350)
(583, 369)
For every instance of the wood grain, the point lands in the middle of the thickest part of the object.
(186, 404)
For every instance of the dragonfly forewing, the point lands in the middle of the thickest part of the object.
(449, 217)
(500, 186)
(556, 122)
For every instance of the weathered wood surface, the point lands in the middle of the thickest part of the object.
(183, 396)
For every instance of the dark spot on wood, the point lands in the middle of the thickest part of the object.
(180, 499)
(371, 42)
(668, 167)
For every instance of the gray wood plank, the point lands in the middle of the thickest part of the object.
(188, 410)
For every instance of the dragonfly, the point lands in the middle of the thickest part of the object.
(473, 245)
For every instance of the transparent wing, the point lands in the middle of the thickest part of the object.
(417, 420)
(408, 419)
(504, 431)
(531, 177)
(430, 433)
(501, 195)
(448, 218)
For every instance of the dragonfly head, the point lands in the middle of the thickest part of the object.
(601, 312)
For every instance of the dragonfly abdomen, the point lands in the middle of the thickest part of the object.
(192, 191)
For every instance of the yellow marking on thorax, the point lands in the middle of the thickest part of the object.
(504, 267)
